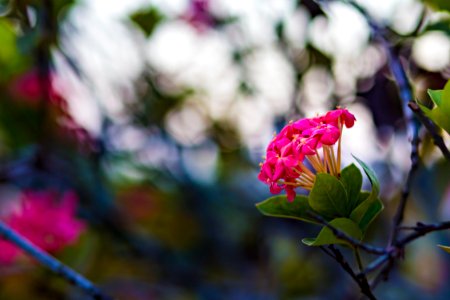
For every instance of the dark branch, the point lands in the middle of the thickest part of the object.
(361, 280)
(52, 263)
(421, 230)
(431, 127)
(398, 217)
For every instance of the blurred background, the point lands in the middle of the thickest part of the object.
(156, 115)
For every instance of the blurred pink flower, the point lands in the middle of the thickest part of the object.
(199, 16)
(46, 220)
(8, 252)
(29, 88)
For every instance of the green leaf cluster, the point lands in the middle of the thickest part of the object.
(339, 201)
(439, 4)
(440, 114)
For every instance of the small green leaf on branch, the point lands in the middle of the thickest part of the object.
(326, 235)
(440, 113)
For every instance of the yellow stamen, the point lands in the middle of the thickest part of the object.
(306, 170)
(317, 165)
(320, 161)
(327, 161)
(331, 160)
(339, 147)
(307, 179)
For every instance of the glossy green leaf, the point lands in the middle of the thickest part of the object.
(441, 112)
(279, 206)
(363, 195)
(445, 248)
(439, 4)
(351, 178)
(369, 208)
(436, 96)
(442, 25)
(366, 212)
(445, 102)
(328, 196)
(371, 175)
(326, 236)
(441, 118)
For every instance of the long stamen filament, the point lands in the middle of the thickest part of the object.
(327, 159)
(306, 170)
(322, 164)
(317, 165)
(341, 126)
(304, 185)
(335, 163)
(331, 159)
(304, 175)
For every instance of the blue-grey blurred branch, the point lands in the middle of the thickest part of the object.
(52, 263)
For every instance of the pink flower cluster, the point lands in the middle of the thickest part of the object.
(31, 88)
(46, 220)
(284, 168)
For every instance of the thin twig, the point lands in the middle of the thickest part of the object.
(376, 264)
(398, 249)
(431, 127)
(422, 230)
(398, 217)
(361, 280)
(52, 263)
(384, 273)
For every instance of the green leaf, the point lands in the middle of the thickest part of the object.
(328, 197)
(279, 206)
(436, 96)
(442, 25)
(441, 118)
(446, 98)
(369, 208)
(147, 20)
(441, 112)
(351, 179)
(326, 236)
(363, 195)
(439, 4)
(371, 175)
(371, 211)
(425, 110)
(445, 248)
